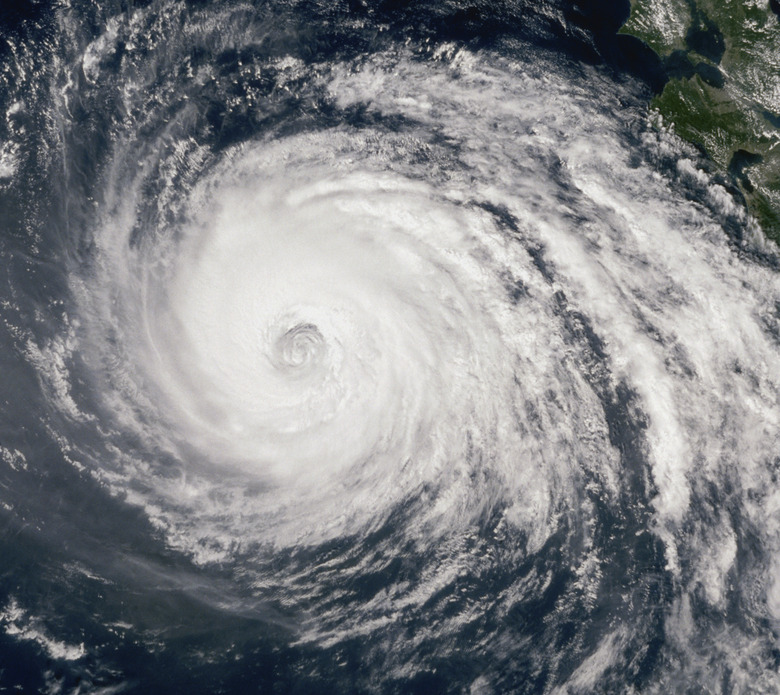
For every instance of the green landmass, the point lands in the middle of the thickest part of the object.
(723, 93)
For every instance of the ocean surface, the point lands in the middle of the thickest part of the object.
(375, 347)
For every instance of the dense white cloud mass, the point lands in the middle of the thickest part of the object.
(475, 322)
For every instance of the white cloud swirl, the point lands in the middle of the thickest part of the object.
(497, 310)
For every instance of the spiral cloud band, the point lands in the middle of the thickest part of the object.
(450, 346)
(330, 332)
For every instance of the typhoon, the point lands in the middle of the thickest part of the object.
(374, 348)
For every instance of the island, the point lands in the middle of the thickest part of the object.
(722, 60)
